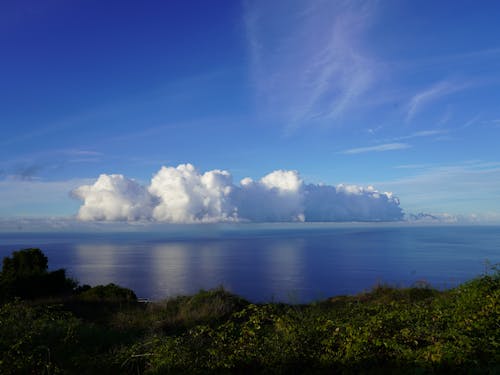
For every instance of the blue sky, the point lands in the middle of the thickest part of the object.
(401, 95)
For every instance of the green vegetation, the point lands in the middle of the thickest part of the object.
(107, 293)
(388, 330)
(25, 275)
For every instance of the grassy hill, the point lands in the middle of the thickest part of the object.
(387, 330)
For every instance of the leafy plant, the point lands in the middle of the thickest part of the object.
(25, 275)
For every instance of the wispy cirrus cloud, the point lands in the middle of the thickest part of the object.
(411, 166)
(377, 148)
(421, 134)
(431, 94)
(308, 63)
(424, 133)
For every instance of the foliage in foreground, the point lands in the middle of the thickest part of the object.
(26, 275)
(389, 330)
(416, 330)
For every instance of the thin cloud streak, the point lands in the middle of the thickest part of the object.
(425, 133)
(377, 148)
(411, 166)
(471, 122)
(31, 165)
(420, 134)
(426, 97)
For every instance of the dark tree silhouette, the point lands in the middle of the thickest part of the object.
(25, 263)
(25, 275)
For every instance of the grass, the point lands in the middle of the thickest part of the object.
(387, 330)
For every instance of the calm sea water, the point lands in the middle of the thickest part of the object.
(291, 263)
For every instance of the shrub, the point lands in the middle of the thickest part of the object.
(25, 275)
(35, 339)
(108, 293)
(205, 307)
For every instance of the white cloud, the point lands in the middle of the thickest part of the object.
(277, 196)
(377, 148)
(187, 196)
(350, 203)
(283, 181)
(184, 195)
(115, 198)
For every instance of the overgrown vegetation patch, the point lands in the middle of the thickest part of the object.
(388, 330)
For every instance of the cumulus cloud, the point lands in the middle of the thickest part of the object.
(350, 203)
(277, 196)
(114, 198)
(184, 195)
(187, 196)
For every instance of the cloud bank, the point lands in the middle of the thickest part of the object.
(184, 195)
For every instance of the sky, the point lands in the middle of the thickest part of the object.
(256, 110)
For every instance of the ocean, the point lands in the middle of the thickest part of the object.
(294, 263)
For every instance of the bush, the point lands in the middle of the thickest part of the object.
(35, 339)
(108, 293)
(25, 275)
(25, 263)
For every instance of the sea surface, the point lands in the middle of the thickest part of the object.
(292, 263)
